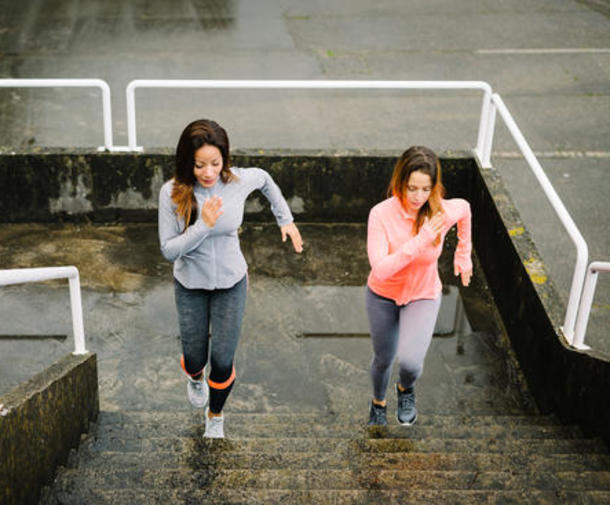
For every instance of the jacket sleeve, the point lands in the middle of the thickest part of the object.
(385, 264)
(174, 243)
(279, 206)
(462, 261)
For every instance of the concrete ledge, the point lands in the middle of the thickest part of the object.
(40, 421)
(570, 383)
(57, 186)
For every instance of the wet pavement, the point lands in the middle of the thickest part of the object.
(549, 60)
(130, 322)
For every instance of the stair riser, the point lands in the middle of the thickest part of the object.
(195, 416)
(348, 447)
(312, 497)
(335, 479)
(314, 461)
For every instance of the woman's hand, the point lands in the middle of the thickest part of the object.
(432, 227)
(291, 230)
(436, 223)
(211, 210)
(465, 274)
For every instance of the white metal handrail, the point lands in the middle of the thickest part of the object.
(586, 301)
(304, 84)
(582, 251)
(23, 275)
(73, 83)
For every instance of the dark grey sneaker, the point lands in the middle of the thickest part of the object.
(377, 415)
(406, 413)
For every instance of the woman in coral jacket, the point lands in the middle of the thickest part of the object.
(403, 293)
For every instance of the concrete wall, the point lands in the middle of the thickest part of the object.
(40, 421)
(55, 186)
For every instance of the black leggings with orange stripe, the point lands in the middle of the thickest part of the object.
(223, 311)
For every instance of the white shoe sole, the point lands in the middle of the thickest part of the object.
(411, 423)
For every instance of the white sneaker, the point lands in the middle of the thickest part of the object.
(214, 427)
(198, 392)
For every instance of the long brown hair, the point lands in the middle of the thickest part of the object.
(418, 159)
(196, 135)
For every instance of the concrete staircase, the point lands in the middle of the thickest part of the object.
(151, 457)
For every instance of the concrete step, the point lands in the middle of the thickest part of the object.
(336, 461)
(194, 416)
(161, 457)
(370, 478)
(140, 496)
(346, 445)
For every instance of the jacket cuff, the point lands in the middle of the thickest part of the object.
(462, 263)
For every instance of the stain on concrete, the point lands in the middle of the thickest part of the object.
(520, 230)
(107, 257)
(536, 271)
(72, 197)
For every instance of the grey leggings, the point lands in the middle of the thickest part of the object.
(224, 310)
(405, 330)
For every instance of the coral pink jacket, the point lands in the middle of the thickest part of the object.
(404, 265)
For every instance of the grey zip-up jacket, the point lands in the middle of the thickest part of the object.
(210, 258)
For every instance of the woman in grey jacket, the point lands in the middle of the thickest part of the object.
(200, 211)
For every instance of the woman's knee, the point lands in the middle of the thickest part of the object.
(192, 364)
(409, 371)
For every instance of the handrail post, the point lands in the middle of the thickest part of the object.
(76, 307)
(489, 136)
(130, 92)
(484, 127)
(586, 302)
(106, 114)
(578, 280)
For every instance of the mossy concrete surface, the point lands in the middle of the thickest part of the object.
(40, 421)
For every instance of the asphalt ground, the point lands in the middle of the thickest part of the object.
(548, 59)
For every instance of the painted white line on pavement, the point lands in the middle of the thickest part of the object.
(555, 50)
(553, 154)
